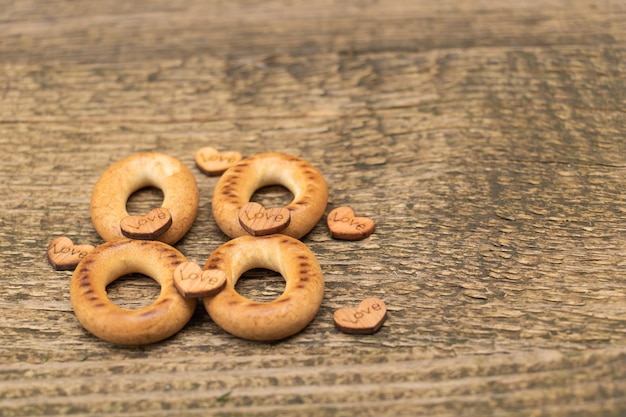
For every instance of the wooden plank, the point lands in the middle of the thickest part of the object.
(486, 139)
(62, 31)
(513, 383)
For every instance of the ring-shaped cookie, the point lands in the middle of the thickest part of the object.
(238, 184)
(120, 180)
(265, 321)
(111, 260)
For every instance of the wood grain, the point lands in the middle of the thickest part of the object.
(485, 138)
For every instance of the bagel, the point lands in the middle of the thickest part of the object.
(120, 180)
(237, 185)
(277, 319)
(111, 260)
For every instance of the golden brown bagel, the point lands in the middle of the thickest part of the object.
(120, 180)
(238, 184)
(283, 317)
(114, 259)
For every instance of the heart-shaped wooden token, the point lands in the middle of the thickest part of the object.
(148, 226)
(192, 281)
(343, 224)
(64, 255)
(258, 221)
(212, 162)
(365, 319)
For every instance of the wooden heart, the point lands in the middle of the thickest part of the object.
(148, 226)
(258, 221)
(212, 162)
(343, 224)
(191, 281)
(365, 319)
(64, 255)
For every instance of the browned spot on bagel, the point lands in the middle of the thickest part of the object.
(85, 284)
(300, 286)
(284, 300)
(304, 271)
(99, 304)
(304, 264)
(255, 304)
(89, 291)
(232, 303)
(213, 266)
(93, 298)
(304, 279)
(115, 244)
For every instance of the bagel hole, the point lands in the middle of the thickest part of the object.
(272, 196)
(133, 291)
(143, 200)
(260, 285)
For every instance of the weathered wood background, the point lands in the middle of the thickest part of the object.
(486, 138)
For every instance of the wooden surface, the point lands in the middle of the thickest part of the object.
(487, 139)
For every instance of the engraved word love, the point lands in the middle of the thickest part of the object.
(149, 226)
(212, 162)
(258, 221)
(343, 224)
(365, 319)
(64, 255)
(191, 281)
